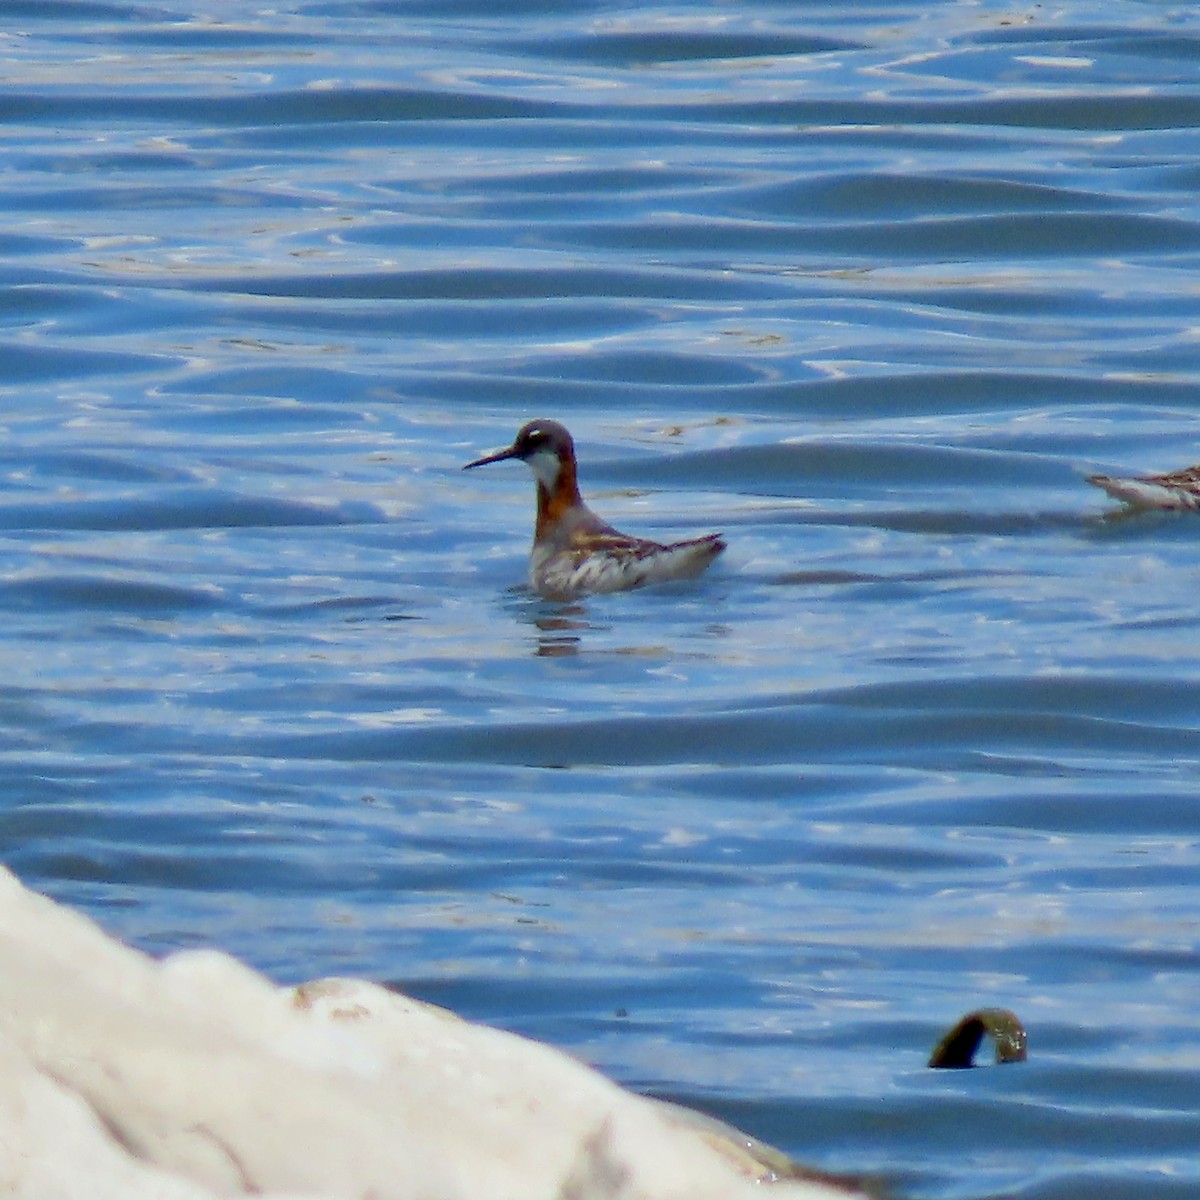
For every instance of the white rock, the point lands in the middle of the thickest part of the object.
(196, 1078)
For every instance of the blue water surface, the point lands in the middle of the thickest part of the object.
(870, 288)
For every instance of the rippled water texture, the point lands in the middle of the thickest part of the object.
(868, 288)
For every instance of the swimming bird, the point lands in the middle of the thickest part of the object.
(574, 551)
(1176, 490)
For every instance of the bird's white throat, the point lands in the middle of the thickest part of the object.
(544, 465)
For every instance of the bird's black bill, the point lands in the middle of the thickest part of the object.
(499, 456)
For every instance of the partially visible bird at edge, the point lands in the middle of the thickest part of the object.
(574, 551)
(1176, 490)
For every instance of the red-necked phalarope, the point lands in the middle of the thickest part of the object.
(575, 552)
(1174, 490)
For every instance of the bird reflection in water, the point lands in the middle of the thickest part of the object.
(560, 631)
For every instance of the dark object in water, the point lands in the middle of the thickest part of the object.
(957, 1048)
